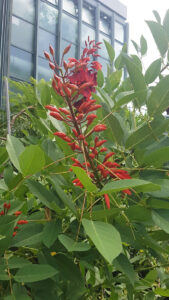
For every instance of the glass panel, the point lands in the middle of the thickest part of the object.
(22, 34)
(71, 6)
(44, 40)
(117, 48)
(87, 31)
(55, 2)
(104, 65)
(69, 28)
(105, 24)
(71, 53)
(103, 51)
(48, 17)
(43, 70)
(88, 14)
(24, 9)
(119, 32)
(21, 64)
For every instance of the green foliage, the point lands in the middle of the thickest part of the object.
(73, 247)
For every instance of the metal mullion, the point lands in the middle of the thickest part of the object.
(59, 36)
(80, 7)
(37, 7)
(22, 49)
(97, 21)
(22, 19)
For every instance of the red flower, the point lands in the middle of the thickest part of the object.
(107, 200)
(99, 127)
(21, 222)
(17, 213)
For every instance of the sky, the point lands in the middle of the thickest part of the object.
(138, 11)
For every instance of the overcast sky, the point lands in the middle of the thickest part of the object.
(138, 11)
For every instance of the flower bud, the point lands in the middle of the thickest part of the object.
(47, 55)
(99, 127)
(51, 50)
(107, 200)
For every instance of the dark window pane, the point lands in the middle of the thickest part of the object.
(44, 40)
(71, 6)
(21, 64)
(119, 32)
(43, 70)
(71, 53)
(69, 28)
(117, 47)
(24, 9)
(105, 24)
(104, 65)
(22, 34)
(103, 51)
(88, 14)
(48, 17)
(87, 31)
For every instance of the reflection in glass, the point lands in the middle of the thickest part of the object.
(103, 51)
(88, 14)
(44, 40)
(48, 17)
(119, 32)
(53, 1)
(71, 53)
(117, 47)
(70, 6)
(22, 34)
(24, 9)
(104, 24)
(69, 28)
(21, 64)
(43, 69)
(87, 31)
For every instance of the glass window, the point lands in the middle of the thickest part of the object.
(69, 28)
(48, 17)
(55, 2)
(43, 69)
(71, 6)
(119, 32)
(72, 52)
(117, 48)
(87, 31)
(103, 50)
(104, 65)
(44, 40)
(21, 64)
(24, 9)
(88, 14)
(22, 34)
(105, 24)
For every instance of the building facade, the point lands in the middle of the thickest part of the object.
(27, 27)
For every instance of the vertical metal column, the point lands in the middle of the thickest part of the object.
(112, 26)
(59, 39)
(37, 6)
(126, 40)
(97, 21)
(80, 7)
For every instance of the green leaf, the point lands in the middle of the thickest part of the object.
(166, 22)
(33, 273)
(158, 100)
(45, 94)
(159, 35)
(105, 237)
(157, 16)
(164, 192)
(29, 235)
(14, 148)
(32, 160)
(3, 155)
(161, 219)
(136, 46)
(50, 232)
(137, 79)
(148, 132)
(3, 274)
(153, 71)
(139, 213)
(143, 45)
(110, 51)
(20, 292)
(84, 179)
(123, 264)
(72, 245)
(136, 184)
(100, 78)
(102, 214)
(113, 80)
(157, 157)
(162, 292)
(16, 262)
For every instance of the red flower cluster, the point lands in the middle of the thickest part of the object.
(17, 213)
(75, 81)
